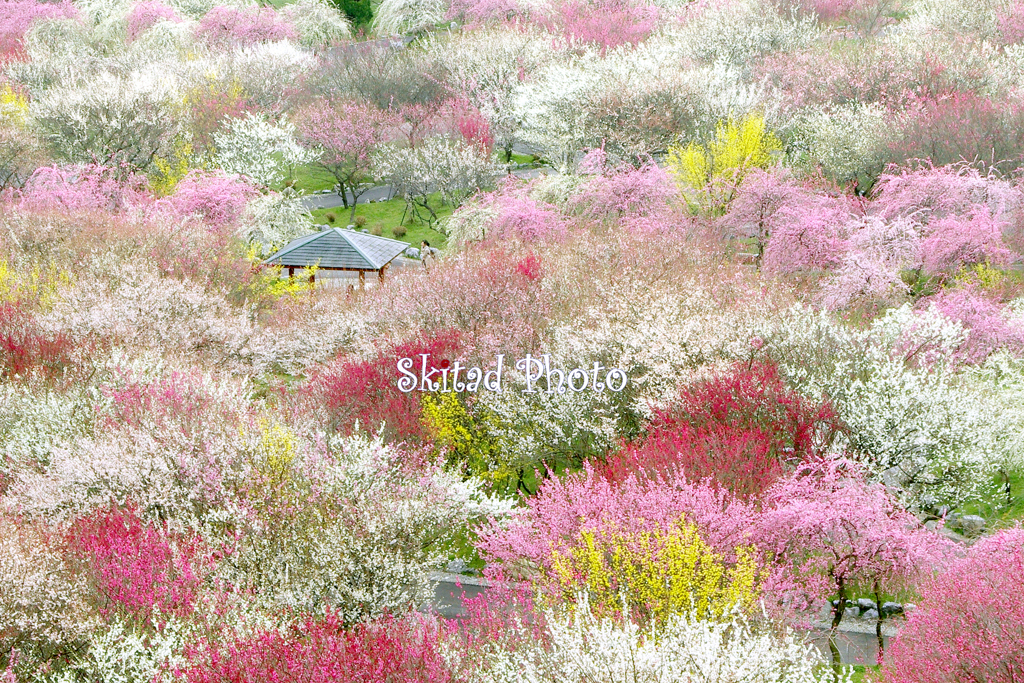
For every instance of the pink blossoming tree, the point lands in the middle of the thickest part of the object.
(344, 136)
(824, 528)
(969, 622)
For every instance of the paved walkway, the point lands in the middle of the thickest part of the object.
(857, 642)
(386, 192)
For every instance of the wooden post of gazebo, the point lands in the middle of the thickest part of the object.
(380, 273)
(362, 279)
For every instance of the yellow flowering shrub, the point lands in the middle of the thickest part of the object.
(34, 284)
(466, 439)
(170, 170)
(277, 450)
(982, 274)
(13, 106)
(658, 573)
(709, 175)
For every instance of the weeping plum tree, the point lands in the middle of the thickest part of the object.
(344, 136)
(824, 528)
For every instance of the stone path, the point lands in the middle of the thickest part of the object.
(386, 192)
(857, 642)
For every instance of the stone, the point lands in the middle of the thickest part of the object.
(412, 252)
(971, 525)
(909, 607)
(458, 566)
(863, 604)
(929, 504)
(891, 608)
(850, 613)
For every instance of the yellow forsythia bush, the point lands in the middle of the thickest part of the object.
(470, 448)
(657, 573)
(710, 175)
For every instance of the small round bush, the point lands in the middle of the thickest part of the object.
(331, 217)
(399, 231)
(360, 221)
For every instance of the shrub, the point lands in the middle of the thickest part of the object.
(963, 126)
(147, 13)
(17, 16)
(331, 217)
(990, 325)
(576, 645)
(347, 523)
(360, 221)
(230, 26)
(740, 430)
(714, 172)
(134, 569)
(603, 23)
(399, 231)
(84, 187)
(359, 393)
(216, 197)
(953, 242)
(660, 573)
(27, 349)
(323, 649)
(554, 521)
(969, 621)
(377, 229)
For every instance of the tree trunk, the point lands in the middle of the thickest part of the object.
(837, 616)
(878, 625)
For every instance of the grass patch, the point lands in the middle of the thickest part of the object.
(860, 672)
(388, 215)
(521, 158)
(310, 178)
(1000, 509)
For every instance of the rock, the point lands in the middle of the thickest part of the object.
(850, 613)
(458, 567)
(412, 252)
(864, 605)
(971, 525)
(929, 504)
(891, 608)
(869, 614)
(909, 607)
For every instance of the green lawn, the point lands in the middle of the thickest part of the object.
(388, 215)
(312, 179)
(1001, 510)
(860, 672)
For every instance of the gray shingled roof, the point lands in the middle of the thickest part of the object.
(338, 248)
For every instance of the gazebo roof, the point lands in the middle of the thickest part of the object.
(339, 249)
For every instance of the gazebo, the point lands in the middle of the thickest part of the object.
(339, 249)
